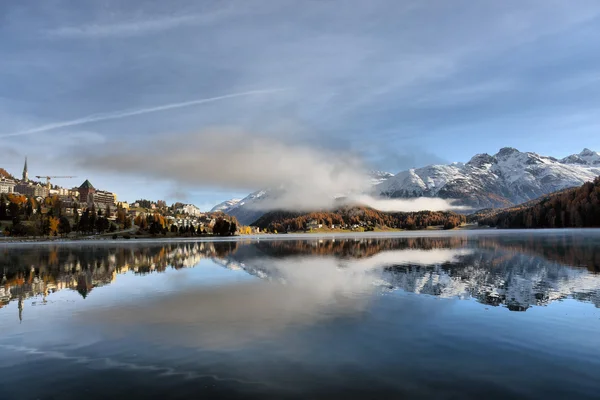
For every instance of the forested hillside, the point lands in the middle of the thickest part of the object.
(573, 208)
(357, 218)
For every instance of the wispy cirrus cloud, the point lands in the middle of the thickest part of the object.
(136, 27)
(130, 113)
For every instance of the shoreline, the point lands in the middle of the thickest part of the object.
(295, 236)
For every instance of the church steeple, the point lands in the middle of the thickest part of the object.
(25, 172)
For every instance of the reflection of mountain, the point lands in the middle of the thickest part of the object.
(495, 278)
(516, 271)
(514, 280)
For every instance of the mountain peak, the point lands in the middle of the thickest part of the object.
(507, 151)
(481, 159)
(587, 152)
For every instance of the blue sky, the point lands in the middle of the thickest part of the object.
(398, 84)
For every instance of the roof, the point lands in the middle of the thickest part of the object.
(86, 185)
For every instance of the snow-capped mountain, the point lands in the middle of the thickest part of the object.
(248, 209)
(506, 178)
(226, 205)
(378, 177)
(586, 157)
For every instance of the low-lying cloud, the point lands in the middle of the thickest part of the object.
(298, 176)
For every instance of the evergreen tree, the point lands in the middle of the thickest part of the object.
(3, 208)
(93, 218)
(64, 226)
(29, 209)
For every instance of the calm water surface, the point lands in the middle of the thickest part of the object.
(445, 316)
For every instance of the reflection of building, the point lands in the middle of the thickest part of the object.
(7, 185)
(72, 269)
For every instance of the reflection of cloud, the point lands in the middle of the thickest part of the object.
(301, 291)
(413, 257)
(231, 315)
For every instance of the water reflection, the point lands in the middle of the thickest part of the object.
(514, 271)
(358, 316)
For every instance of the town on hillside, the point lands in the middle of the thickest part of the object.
(36, 208)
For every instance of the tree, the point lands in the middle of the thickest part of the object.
(113, 227)
(93, 217)
(53, 226)
(121, 216)
(75, 215)
(155, 228)
(84, 222)
(102, 224)
(64, 226)
(3, 208)
(108, 212)
(174, 228)
(14, 209)
(232, 228)
(29, 208)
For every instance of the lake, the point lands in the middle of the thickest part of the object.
(444, 315)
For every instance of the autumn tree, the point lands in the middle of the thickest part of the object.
(53, 223)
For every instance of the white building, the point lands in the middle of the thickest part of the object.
(190, 209)
(7, 185)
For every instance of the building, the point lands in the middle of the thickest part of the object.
(190, 209)
(103, 197)
(85, 190)
(31, 189)
(25, 172)
(7, 185)
(63, 192)
(88, 195)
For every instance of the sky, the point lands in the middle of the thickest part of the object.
(134, 95)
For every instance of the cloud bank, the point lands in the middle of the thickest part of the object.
(295, 176)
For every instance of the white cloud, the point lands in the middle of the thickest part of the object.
(300, 177)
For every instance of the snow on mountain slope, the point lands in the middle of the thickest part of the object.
(249, 208)
(508, 177)
(225, 206)
(378, 177)
(586, 157)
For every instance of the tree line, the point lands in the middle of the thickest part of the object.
(363, 217)
(48, 217)
(155, 224)
(573, 208)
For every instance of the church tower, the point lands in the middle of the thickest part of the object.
(25, 172)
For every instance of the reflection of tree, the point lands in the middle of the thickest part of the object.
(357, 248)
(46, 269)
(515, 271)
(574, 250)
